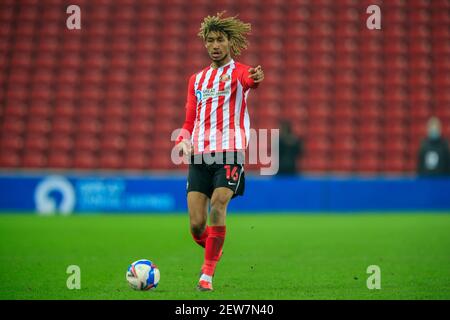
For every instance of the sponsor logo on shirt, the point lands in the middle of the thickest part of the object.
(212, 93)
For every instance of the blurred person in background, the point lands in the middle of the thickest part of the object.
(290, 149)
(434, 154)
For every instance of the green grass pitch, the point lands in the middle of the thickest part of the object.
(266, 256)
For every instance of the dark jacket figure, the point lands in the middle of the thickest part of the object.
(434, 154)
(290, 148)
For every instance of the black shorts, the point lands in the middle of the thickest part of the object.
(205, 175)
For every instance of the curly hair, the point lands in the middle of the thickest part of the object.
(234, 28)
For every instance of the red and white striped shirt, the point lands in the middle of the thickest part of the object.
(216, 110)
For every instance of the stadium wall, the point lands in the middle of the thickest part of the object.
(104, 193)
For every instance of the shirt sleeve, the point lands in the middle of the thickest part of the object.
(189, 121)
(247, 83)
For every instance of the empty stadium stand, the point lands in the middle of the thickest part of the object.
(109, 95)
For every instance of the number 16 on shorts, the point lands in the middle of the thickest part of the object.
(231, 172)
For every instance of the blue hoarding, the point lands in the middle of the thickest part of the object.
(97, 193)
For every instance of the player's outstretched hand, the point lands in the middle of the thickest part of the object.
(257, 74)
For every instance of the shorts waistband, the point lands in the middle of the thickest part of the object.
(228, 157)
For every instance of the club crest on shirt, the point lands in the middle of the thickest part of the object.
(224, 78)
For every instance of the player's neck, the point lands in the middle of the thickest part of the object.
(221, 63)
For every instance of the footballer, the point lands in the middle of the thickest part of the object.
(217, 126)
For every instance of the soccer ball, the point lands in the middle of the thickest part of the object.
(143, 275)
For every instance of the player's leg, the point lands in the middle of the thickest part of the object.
(219, 202)
(199, 190)
(198, 213)
(216, 235)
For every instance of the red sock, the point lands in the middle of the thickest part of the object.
(214, 244)
(202, 239)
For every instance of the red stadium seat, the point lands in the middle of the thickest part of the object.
(136, 160)
(59, 160)
(317, 145)
(86, 143)
(342, 163)
(36, 142)
(138, 144)
(394, 164)
(343, 128)
(62, 126)
(343, 146)
(112, 143)
(114, 127)
(61, 143)
(88, 127)
(11, 142)
(38, 126)
(138, 127)
(395, 147)
(115, 111)
(318, 163)
(13, 125)
(34, 159)
(368, 163)
(9, 159)
(85, 160)
(110, 160)
(91, 111)
(40, 110)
